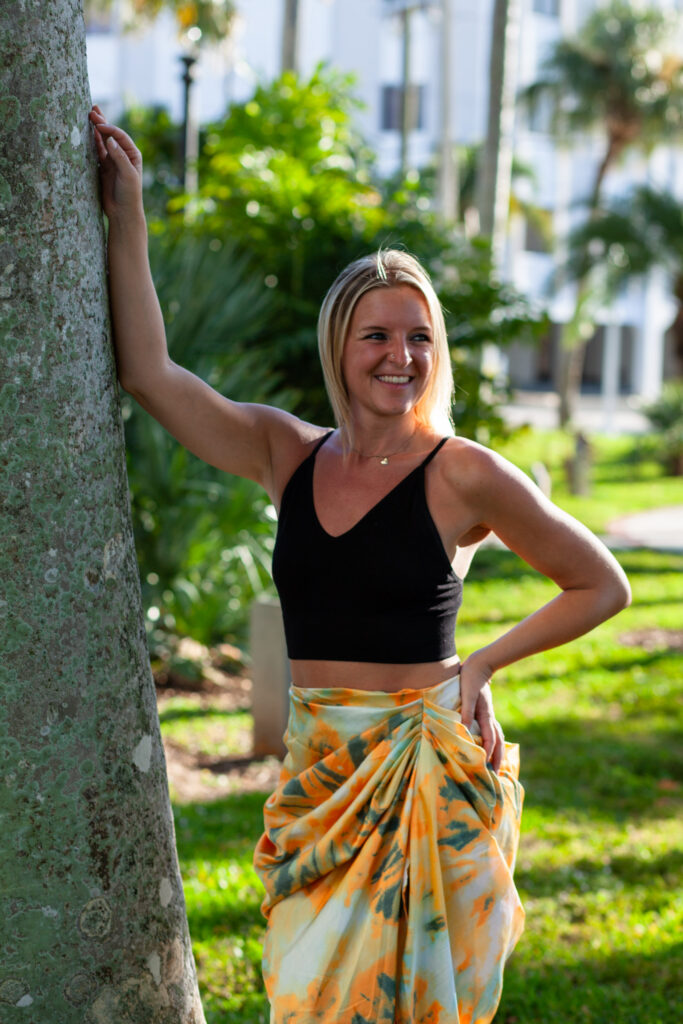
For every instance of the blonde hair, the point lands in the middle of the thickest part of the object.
(388, 268)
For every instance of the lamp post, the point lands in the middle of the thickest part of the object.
(190, 139)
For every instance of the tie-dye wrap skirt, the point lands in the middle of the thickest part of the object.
(387, 860)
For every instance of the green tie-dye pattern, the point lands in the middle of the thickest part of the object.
(463, 837)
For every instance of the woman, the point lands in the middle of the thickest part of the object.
(390, 841)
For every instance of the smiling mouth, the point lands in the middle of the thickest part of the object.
(392, 379)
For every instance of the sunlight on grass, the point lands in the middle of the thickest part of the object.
(211, 732)
(621, 482)
(600, 726)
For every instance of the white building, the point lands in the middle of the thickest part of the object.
(629, 354)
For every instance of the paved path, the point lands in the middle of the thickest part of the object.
(594, 414)
(660, 528)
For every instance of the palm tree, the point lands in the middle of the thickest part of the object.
(634, 234)
(495, 171)
(618, 76)
(213, 18)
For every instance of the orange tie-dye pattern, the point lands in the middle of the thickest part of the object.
(387, 860)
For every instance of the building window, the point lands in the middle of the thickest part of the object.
(550, 7)
(541, 115)
(534, 238)
(392, 108)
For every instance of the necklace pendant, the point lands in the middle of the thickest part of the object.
(384, 461)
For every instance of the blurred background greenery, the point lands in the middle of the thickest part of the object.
(288, 196)
(285, 192)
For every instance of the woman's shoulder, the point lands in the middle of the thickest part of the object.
(293, 440)
(461, 455)
(474, 469)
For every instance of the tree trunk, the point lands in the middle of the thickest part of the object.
(91, 903)
(573, 355)
(447, 182)
(496, 164)
(569, 373)
(290, 36)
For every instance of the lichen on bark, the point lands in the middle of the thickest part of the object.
(91, 905)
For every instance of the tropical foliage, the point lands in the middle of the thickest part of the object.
(666, 416)
(629, 237)
(286, 175)
(622, 74)
(634, 234)
(210, 19)
(203, 538)
(287, 196)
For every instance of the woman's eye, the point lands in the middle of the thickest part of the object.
(421, 337)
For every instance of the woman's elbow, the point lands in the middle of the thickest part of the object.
(617, 593)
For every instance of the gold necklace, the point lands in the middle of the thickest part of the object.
(384, 459)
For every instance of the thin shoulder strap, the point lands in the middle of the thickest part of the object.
(303, 471)
(433, 452)
(321, 442)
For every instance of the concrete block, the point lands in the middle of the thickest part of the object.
(270, 678)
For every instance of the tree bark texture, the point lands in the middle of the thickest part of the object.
(290, 36)
(92, 917)
(496, 164)
(572, 356)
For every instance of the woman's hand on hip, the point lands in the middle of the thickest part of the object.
(120, 164)
(477, 705)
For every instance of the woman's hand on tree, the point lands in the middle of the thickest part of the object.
(120, 164)
(477, 705)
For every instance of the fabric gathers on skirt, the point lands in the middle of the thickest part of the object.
(387, 860)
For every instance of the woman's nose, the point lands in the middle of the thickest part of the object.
(399, 353)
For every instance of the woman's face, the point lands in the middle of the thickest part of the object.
(389, 351)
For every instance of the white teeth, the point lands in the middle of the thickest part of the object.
(394, 380)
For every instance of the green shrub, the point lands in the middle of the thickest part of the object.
(666, 416)
(203, 538)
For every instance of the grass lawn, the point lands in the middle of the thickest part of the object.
(600, 725)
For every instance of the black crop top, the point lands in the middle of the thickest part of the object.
(383, 591)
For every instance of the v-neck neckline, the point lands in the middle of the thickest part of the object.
(359, 522)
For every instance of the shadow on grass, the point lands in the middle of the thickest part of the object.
(491, 564)
(214, 918)
(642, 658)
(586, 874)
(655, 602)
(624, 988)
(619, 657)
(220, 830)
(251, 1008)
(585, 766)
(189, 714)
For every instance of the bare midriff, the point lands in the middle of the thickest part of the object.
(366, 675)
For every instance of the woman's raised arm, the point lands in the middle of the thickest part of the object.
(245, 439)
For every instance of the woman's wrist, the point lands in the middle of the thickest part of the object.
(128, 221)
(480, 662)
